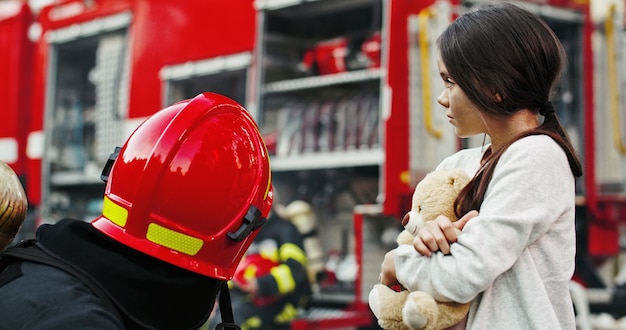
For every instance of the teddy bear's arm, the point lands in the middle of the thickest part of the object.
(451, 313)
(405, 238)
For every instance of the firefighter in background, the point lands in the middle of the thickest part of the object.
(271, 285)
(184, 199)
(302, 215)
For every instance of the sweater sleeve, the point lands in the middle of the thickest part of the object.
(531, 187)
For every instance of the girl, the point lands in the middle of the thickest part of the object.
(514, 257)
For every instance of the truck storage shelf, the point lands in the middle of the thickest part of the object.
(300, 84)
(321, 160)
(305, 8)
(73, 178)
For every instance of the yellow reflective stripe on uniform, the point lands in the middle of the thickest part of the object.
(115, 213)
(269, 253)
(291, 251)
(252, 323)
(173, 240)
(284, 279)
(287, 314)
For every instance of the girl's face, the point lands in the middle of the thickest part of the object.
(462, 113)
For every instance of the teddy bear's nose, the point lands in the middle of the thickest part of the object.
(405, 219)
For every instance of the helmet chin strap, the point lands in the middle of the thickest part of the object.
(226, 310)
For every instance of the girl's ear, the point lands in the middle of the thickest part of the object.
(498, 97)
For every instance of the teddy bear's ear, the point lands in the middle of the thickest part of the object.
(458, 179)
(405, 219)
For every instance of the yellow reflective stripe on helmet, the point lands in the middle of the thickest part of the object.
(269, 177)
(173, 240)
(269, 182)
(284, 279)
(291, 251)
(115, 213)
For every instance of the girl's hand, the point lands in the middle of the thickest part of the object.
(388, 270)
(438, 234)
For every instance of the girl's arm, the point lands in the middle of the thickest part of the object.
(438, 234)
(531, 187)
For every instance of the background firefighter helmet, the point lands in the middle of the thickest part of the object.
(252, 266)
(13, 205)
(191, 186)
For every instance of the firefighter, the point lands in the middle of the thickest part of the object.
(271, 286)
(184, 198)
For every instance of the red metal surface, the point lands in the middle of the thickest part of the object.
(603, 234)
(171, 32)
(396, 128)
(358, 252)
(356, 315)
(15, 91)
(573, 4)
(589, 174)
(604, 212)
(161, 33)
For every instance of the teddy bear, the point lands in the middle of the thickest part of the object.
(13, 205)
(434, 195)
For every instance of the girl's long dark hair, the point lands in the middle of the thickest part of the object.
(504, 50)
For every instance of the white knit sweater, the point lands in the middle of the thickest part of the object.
(515, 260)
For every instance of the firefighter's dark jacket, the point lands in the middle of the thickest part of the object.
(284, 234)
(147, 292)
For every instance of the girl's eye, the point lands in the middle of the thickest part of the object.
(448, 82)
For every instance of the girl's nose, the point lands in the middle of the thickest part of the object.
(443, 99)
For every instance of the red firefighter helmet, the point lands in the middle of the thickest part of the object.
(252, 266)
(190, 186)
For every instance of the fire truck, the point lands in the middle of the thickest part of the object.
(344, 92)
(16, 58)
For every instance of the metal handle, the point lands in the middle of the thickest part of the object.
(614, 101)
(424, 15)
